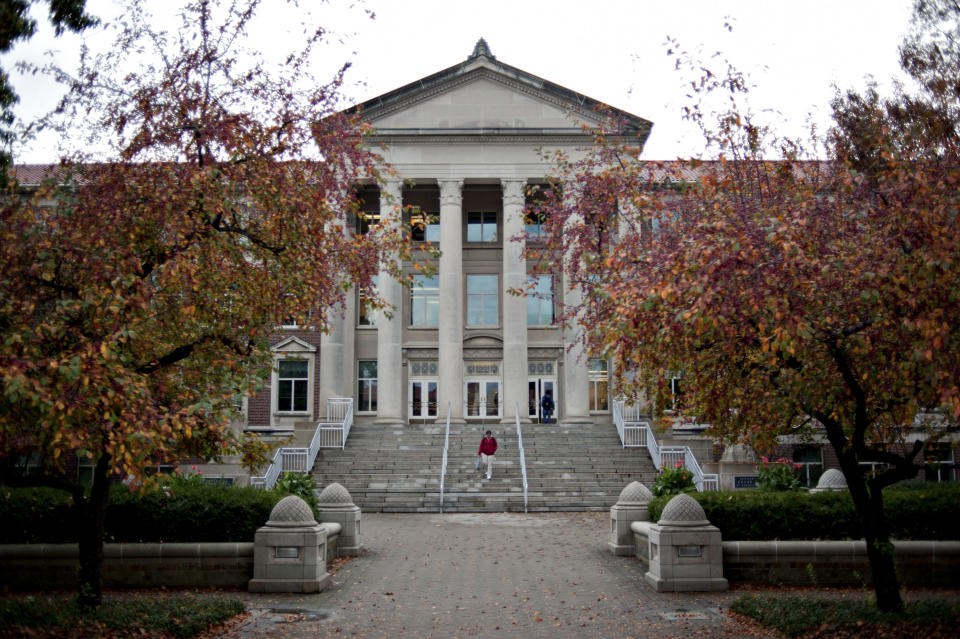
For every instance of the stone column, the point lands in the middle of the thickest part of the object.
(514, 307)
(333, 360)
(576, 385)
(390, 329)
(451, 299)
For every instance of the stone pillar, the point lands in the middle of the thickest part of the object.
(333, 360)
(336, 506)
(576, 384)
(390, 329)
(514, 307)
(630, 507)
(686, 551)
(451, 300)
(290, 551)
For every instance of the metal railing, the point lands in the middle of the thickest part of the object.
(631, 430)
(634, 433)
(523, 458)
(331, 433)
(446, 451)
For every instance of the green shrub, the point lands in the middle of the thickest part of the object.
(796, 616)
(673, 481)
(181, 511)
(144, 616)
(777, 476)
(929, 513)
(301, 485)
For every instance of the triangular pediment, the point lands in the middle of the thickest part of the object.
(482, 101)
(293, 344)
(483, 96)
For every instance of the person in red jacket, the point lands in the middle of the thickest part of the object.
(488, 448)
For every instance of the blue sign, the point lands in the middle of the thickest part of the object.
(748, 481)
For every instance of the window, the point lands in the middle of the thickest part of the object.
(533, 225)
(598, 376)
(810, 460)
(424, 227)
(482, 300)
(292, 377)
(367, 386)
(676, 393)
(482, 226)
(366, 315)
(425, 301)
(940, 466)
(540, 302)
(367, 220)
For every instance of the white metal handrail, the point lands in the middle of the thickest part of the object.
(327, 434)
(446, 450)
(523, 458)
(634, 433)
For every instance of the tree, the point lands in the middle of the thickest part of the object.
(139, 292)
(16, 25)
(793, 295)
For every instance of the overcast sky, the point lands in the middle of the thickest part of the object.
(611, 50)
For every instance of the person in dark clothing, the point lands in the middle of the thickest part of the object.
(488, 448)
(546, 407)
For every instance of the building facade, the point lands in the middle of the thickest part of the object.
(465, 143)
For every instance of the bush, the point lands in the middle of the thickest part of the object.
(301, 485)
(174, 616)
(795, 616)
(673, 481)
(931, 512)
(777, 476)
(182, 511)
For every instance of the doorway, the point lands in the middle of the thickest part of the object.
(537, 387)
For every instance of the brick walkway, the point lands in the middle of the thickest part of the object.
(488, 575)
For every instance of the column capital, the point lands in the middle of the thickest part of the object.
(450, 191)
(513, 191)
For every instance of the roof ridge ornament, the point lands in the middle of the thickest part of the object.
(481, 49)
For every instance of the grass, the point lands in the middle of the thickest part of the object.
(795, 616)
(158, 616)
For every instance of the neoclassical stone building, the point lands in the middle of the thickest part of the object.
(465, 142)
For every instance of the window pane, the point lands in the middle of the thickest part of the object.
(293, 368)
(492, 397)
(300, 395)
(368, 369)
(424, 301)
(284, 395)
(432, 398)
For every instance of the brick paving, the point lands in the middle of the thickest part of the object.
(488, 575)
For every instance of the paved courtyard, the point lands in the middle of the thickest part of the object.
(488, 575)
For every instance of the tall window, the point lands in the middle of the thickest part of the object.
(482, 226)
(367, 220)
(425, 301)
(482, 300)
(540, 302)
(367, 386)
(598, 377)
(810, 460)
(366, 315)
(424, 227)
(533, 225)
(292, 376)
(940, 466)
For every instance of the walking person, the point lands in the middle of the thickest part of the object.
(488, 448)
(546, 407)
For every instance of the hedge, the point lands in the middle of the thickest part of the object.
(189, 513)
(913, 510)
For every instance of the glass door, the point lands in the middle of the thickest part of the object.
(482, 398)
(537, 387)
(423, 399)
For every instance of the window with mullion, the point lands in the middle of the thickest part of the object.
(292, 376)
(540, 302)
(482, 226)
(367, 386)
(425, 301)
(482, 298)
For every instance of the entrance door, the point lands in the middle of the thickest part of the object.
(537, 387)
(482, 398)
(423, 398)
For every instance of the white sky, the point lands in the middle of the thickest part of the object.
(610, 50)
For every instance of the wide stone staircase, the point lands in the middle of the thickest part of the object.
(396, 468)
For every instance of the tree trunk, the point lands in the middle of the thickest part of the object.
(869, 507)
(93, 511)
